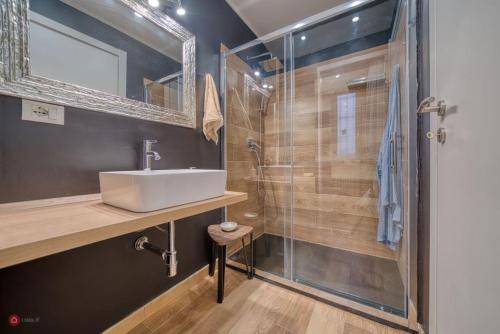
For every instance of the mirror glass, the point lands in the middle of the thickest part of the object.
(106, 46)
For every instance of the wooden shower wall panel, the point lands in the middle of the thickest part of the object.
(242, 121)
(334, 188)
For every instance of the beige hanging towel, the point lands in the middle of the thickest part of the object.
(212, 118)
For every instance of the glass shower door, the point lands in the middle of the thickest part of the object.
(305, 115)
(257, 150)
(339, 110)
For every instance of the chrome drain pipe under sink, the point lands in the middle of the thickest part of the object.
(169, 255)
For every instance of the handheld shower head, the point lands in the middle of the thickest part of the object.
(252, 144)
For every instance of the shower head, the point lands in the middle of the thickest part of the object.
(271, 65)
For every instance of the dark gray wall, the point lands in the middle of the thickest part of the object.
(88, 289)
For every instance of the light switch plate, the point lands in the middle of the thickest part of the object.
(42, 112)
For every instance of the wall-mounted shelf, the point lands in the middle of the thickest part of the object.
(30, 230)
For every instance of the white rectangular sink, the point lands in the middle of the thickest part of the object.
(144, 191)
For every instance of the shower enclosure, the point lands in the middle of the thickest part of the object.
(305, 112)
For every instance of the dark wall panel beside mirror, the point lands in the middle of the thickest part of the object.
(87, 289)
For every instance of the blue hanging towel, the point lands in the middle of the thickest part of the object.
(390, 173)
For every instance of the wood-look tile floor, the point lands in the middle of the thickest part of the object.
(253, 306)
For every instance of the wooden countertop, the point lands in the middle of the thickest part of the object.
(30, 230)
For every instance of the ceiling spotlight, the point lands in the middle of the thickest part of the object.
(265, 85)
(138, 15)
(355, 19)
(181, 11)
(298, 25)
(271, 87)
(256, 73)
(303, 37)
(154, 3)
(337, 76)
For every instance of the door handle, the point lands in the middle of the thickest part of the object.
(425, 106)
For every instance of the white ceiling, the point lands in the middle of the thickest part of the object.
(265, 16)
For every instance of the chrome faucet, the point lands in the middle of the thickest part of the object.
(148, 153)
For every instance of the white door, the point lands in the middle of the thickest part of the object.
(465, 194)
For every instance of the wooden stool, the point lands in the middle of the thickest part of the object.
(220, 239)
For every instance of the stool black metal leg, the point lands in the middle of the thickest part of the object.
(248, 268)
(222, 269)
(252, 270)
(213, 257)
(224, 253)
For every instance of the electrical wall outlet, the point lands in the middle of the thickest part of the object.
(42, 112)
